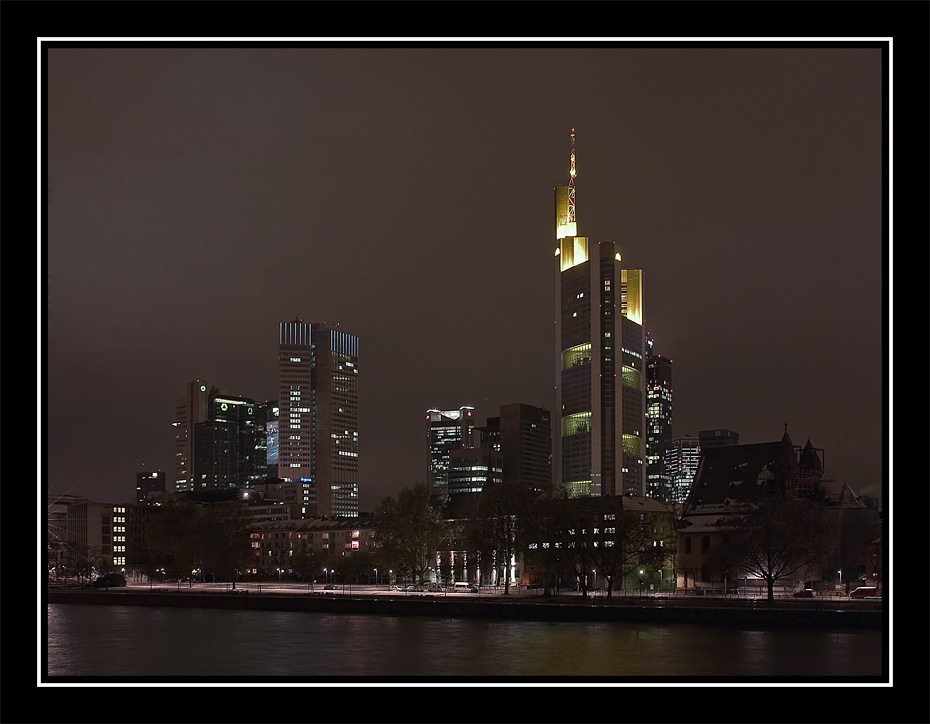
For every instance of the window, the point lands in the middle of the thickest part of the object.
(688, 544)
(705, 544)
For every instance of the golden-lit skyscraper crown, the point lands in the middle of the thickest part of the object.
(572, 249)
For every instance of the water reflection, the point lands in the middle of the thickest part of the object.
(99, 641)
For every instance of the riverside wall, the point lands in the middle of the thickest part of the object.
(741, 613)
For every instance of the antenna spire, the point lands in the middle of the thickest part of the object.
(571, 184)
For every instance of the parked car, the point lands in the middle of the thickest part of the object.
(865, 592)
(434, 588)
(329, 587)
(804, 593)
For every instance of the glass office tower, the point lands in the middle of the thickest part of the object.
(446, 430)
(659, 417)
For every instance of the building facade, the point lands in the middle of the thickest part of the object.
(95, 538)
(318, 420)
(600, 425)
(283, 544)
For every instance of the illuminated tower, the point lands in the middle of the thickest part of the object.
(659, 417)
(599, 422)
(681, 463)
(318, 413)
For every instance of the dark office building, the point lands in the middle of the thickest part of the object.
(717, 438)
(600, 423)
(526, 445)
(220, 440)
(659, 421)
(248, 420)
(149, 482)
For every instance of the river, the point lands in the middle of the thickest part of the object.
(173, 643)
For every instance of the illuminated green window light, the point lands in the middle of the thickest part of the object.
(578, 489)
(632, 378)
(631, 445)
(575, 356)
(577, 423)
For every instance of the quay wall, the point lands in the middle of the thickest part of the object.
(743, 614)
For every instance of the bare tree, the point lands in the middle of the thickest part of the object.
(496, 532)
(623, 542)
(778, 538)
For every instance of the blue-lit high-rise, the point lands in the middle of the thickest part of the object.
(318, 413)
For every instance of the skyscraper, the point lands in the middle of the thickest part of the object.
(220, 440)
(599, 415)
(446, 430)
(659, 417)
(526, 445)
(681, 462)
(318, 413)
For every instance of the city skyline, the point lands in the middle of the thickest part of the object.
(410, 201)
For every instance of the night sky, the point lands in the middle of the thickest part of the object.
(196, 197)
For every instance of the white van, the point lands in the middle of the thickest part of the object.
(464, 587)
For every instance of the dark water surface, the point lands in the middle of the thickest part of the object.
(143, 641)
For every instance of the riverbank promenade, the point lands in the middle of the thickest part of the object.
(741, 611)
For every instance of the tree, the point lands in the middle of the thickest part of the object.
(541, 523)
(182, 537)
(496, 531)
(573, 535)
(780, 537)
(623, 543)
(170, 539)
(306, 565)
(224, 531)
(410, 530)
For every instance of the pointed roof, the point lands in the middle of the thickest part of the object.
(740, 473)
(785, 437)
(809, 460)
